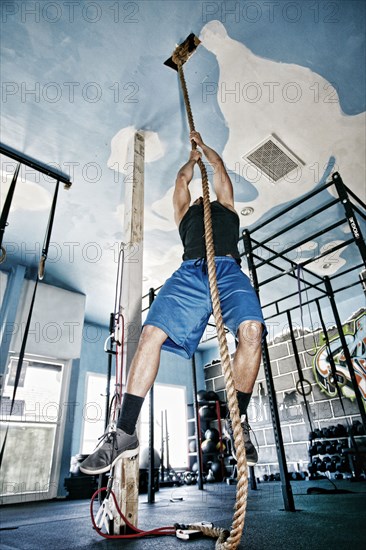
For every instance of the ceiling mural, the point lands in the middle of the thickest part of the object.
(78, 79)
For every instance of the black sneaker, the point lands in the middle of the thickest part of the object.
(250, 450)
(117, 445)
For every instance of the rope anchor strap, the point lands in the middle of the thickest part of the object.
(232, 541)
(204, 528)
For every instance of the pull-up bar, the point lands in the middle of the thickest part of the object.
(35, 164)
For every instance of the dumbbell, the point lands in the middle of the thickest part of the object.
(321, 448)
(326, 432)
(357, 428)
(340, 445)
(343, 466)
(341, 430)
(312, 435)
(313, 450)
(330, 448)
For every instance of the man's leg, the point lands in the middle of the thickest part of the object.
(246, 361)
(245, 370)
(124, 443)
(143, 370)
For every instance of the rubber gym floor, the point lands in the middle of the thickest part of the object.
(321, 521)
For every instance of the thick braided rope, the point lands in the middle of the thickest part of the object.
(233, 540)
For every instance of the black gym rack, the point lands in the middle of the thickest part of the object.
(321, 288)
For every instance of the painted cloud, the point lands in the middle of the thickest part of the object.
(259, 97)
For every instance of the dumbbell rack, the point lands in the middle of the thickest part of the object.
(332, 456)
(327, 457)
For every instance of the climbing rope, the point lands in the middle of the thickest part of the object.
(226, 541)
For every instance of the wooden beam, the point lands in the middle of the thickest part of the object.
(126, 472)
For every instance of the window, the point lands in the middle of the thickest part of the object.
(31, 464)
(171, 399)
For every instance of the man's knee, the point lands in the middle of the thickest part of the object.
(250, 334)
(152, 335)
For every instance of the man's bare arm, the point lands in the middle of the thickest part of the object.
(221, 181)
(182, 196)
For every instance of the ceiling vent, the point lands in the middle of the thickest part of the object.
(274, 159)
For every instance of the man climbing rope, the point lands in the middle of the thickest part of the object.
(181, 310)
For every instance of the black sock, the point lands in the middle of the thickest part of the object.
(131, 407)
(243, 401)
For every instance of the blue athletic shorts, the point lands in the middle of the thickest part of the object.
(183, 305)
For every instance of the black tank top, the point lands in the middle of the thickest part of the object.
(225, 226)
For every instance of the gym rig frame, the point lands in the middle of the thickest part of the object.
(322, 288)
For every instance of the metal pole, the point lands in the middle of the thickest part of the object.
(196, 424)
(346, 352)
(167, 442)
(162, 471)
(109, 371)
(253, 481)
(287, 495)
(288, 499)
(151, 484)
(351, 218)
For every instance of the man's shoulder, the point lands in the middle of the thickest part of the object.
(226, 206)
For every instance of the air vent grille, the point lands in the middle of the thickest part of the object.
(271, 159)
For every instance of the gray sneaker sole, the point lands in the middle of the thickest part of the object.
(126, 454)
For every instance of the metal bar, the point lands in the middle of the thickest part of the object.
(6, 208)
(167, 441)
(298, 222)
(196, 424)
(353, 195)
(316, 287)
(109, 371)
(314, 236)
(35, 164)
(351, 218)
(287, 495)
(253, 481)
(346, 352)
(293, 264)
(276, 302)
(325, 253)
(292, 206)
(359, 211)
(162, 469)
(151, 484)
(347, 286)
(309, 301)
(341, 273)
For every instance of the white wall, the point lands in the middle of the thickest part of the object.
(57, 322)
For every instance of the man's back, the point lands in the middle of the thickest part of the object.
(225, 226)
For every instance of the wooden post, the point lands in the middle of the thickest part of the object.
(126, 471)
